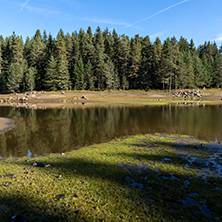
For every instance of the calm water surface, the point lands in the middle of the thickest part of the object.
(39, 132)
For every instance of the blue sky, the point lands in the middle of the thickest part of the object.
(197, 19)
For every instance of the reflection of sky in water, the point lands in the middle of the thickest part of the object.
(29, 154)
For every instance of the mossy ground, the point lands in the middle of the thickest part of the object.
(139, 178)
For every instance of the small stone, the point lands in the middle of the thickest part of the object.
(59, 196)
(6, 184)
(74, 196)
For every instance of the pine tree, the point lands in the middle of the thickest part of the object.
(199, 72)
(146, 66)
(124, 61)
(108, 43)
(89, 48)
(1, 67)
(89, 76)
(156, 61)
(17, 48)
(37, 58)
(218, 70)
(63, 74)
(187, 79)
(0, 60)
(207, 68)
(99, 60)
(109, 73)
(51, 78)
(68, 45)
(117, 51)
(29, 79)
(15, 76)
(79, 73)
(135, 61)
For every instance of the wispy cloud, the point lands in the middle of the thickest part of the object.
(105, 21)
(24, 5)
(158, 34)
(41, 10)
(157, 13)
(218, 38)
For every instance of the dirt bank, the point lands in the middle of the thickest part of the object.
(133, 97)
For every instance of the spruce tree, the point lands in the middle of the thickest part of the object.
(63, 76)
(51, 78)
(89, 76)
(109, 73)
(99, 60)
(79, 74)
(15, 76)
(135, 61)
(124, 62)
(199, 72)
(156, 61)
(146, 66)
(37, 58)
(217, 70)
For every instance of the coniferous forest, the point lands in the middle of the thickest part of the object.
(106, 61)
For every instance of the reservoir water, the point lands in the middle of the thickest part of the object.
(57, 130)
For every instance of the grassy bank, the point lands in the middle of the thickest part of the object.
(140, 178)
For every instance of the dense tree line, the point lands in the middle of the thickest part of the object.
(106, 60)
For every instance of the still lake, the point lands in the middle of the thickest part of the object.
(56, 130)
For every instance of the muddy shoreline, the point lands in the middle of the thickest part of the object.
(131, 97)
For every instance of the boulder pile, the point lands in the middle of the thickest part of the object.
(188, 94)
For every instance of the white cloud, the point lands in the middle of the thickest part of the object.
(24, 5)
(41, 10)
(105, 21)
(157, 13)
(219, 38)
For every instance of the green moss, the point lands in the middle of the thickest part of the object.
(115, 181)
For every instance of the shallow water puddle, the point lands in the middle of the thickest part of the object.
(190, 201)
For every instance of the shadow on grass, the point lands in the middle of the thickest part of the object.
(150, 182)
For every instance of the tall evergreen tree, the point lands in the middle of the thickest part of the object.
(51, 78)
(109, 74)
(199, 72)
(135, 61)
(99, 60)
(16, 75)
(29, 79)
(37, 58)
(79, 74)
(89, 76)
(63, 76)
(217, 70)
(156, 61)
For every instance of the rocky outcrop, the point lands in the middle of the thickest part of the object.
(188, 94)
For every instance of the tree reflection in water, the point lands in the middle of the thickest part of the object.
(59, 130)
